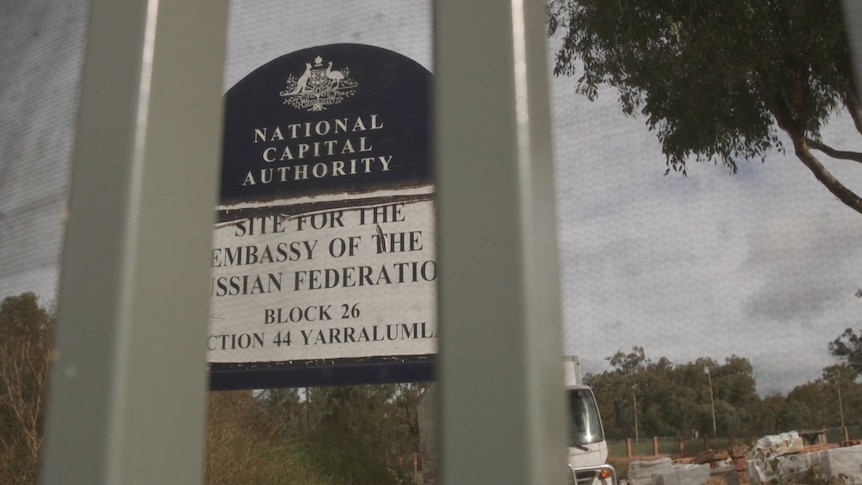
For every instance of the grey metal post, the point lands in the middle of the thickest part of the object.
(852, 19)
(126, 403)
(500, 351)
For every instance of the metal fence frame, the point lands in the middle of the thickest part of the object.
(128, 387)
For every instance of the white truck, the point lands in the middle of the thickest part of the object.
(587, 448)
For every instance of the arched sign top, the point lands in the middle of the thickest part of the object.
(338, 118)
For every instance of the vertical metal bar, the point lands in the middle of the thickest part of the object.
(852, 19)
(500, 351)
(127, 397)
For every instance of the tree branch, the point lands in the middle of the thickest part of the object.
(801, 149)
(831, 152)
(845, 195)
(854, 109)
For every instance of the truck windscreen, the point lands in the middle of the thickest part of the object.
(585, 425)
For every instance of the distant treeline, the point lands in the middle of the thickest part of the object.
(679, 399)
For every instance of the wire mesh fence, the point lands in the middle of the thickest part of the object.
(676, 447)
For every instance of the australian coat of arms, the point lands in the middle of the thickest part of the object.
(318, 87)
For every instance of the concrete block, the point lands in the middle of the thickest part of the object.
(684, 475)
(649, 468)
(843, 463)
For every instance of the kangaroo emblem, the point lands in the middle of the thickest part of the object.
(302, 82)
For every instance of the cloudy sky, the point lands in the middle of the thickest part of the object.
(762, 264)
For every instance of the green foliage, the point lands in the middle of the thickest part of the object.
(674, 399)
(817, 404)
(347, 464)
(715, 80)
(629, 363)
(333, 435)
(840, 374)
(244, 448)
(848, 347)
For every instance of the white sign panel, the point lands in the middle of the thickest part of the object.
(353, 281)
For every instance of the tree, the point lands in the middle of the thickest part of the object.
(848, 346)
(736, 395)
(840, 374)
(286, 410)
(808, 406)
(767, 414)
(26, 332)
(614, 393)
(615, 389)
(332, 435)
(674, 399)
(715, 80)
(628, 364)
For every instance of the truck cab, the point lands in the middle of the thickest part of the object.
(587, 450)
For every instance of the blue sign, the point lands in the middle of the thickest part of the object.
(341, 117)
